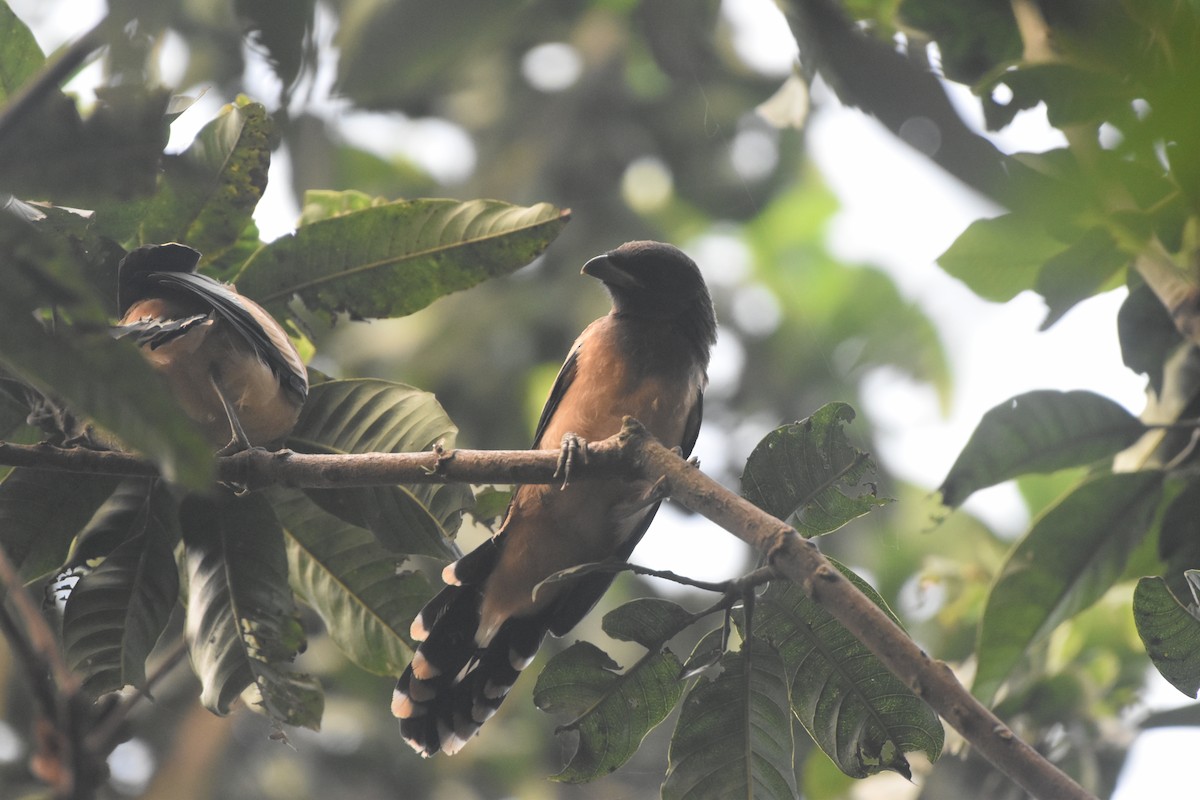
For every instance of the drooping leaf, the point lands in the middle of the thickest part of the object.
(52, 153)
(210, 190)
(613, 711)
(362, 592)
(20, 56)
(1039, 431)
(999, 258)
(241, 626)
(810, 469)
(117, 610)
(42, 511)
(135, 504)
(734, 736)
(1087, 267)
(1170, 632)
(282, 29)
(1073, 95)
(365, 416)
(1147, 334)
(1178, 544)
(861, 715)
(1071, 555)
(972, 37)
(394, 259)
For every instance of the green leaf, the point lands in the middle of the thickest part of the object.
(490, 506)
(1073, 96)
(613, 711)
(649, 621)
(1090, 265)
(241, 626)
(394, 259)
(282, 30)
(1039, 431)
(210, 190)
(999, 258)
(734, 736)
(20, 56)
(1178, 544)
(365, 598)
(1170, 632)
(54, 154)
(42, 511)
(972, 37)
(860, 714)
(117, 611)
(365, 416)
(1071, 555)
(807, 468)
(321, 204)
(1147, 334)
(125, 511)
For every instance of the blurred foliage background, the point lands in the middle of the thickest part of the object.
(644, 119)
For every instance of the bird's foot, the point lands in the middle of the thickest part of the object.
(574, 450)
(232, 449)
(692, 462)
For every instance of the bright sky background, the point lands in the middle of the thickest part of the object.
(899, 212)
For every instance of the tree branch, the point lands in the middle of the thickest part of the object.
(61, 760)
(633, 453)
(799, 560)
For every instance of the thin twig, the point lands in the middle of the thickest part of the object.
(61, 758)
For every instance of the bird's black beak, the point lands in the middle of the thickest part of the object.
(605, 269)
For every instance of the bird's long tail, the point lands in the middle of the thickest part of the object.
(454, 684)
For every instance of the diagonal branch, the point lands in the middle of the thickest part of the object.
(634, 454)
(799, 560)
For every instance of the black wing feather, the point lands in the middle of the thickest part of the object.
(566, 376)
(227, 306)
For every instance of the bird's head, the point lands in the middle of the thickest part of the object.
(656, 281)
(170, 257)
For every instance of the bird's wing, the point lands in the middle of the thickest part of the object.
(153, 332)
(692, 429)
(566, 376)
(239, 313)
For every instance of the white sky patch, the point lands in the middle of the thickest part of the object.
(725, 258)
(760, 35)
(647, 184)
(436, 145)
(552, 67)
